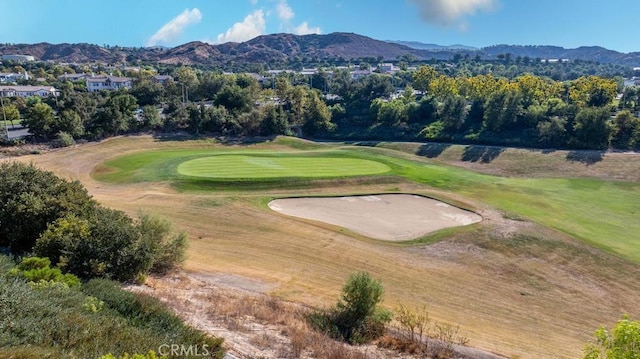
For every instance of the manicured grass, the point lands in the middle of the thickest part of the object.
(196, 165)
(602, 213)
(251, 166)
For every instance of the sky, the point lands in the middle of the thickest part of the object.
(569, 23)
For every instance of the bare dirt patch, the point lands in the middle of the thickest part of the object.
(391, 217)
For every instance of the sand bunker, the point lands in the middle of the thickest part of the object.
(391, 217)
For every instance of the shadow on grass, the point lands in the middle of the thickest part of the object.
(587, 158)
(482, 154)
(225, 140)
(432, 150)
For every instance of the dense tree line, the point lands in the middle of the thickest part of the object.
(440, 103)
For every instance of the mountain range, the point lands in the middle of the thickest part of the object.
(305, 49)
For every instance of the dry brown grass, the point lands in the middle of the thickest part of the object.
(521, 162)
(253, 325)
(515, 288)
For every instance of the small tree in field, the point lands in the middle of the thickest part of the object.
(622, 342)
(356, 318)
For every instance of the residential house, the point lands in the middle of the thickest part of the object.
(99, 83)
(386, 68)
(18, 58)
(12, 77)
(28, 91)
(358, 74)
(163, 80)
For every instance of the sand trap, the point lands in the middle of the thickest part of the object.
(391, 217)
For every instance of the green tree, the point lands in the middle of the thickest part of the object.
(622, 342)
(552, 132)
(423, 77)
(31, 199)
(40, 120)
(233, 98)
(274, 122)
(625, 126)
(12, 114)
(152, 119)
(453, 112)
(117, 115)
(317, 117)
(591, 128)
(70, 122)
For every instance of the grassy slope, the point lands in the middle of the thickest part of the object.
(514, 287)
(600, 212)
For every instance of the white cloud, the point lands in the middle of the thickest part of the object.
(284, 11)
(447, 12)
(253, 25)
(254, 2)
(174, 28)
(304, 29)
(286, 14)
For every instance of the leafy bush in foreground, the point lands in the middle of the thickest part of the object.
(57, 219)
(356, 318)
(622, 342)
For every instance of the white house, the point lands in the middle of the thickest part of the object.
(18, 58)
(358, 74)
(12, 77)
(28, 91)
(99, 83)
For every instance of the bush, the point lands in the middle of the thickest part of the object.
(38, 271)
(622, 342)
(109, 244)
(57, 219)
(31, 199)
(158, 237)
(356, 318)
(64, 139)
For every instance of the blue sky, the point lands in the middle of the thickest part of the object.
(569, 23)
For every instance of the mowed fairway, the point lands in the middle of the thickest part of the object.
(555, 258)
(241, 166)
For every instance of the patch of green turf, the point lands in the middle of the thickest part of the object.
(250, 166)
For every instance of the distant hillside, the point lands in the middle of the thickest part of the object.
(282, 47)
(278, 48)
(433, 47)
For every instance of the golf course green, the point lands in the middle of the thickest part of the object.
(603, 213)
(248, 166)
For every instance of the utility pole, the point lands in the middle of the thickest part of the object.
(4, 115)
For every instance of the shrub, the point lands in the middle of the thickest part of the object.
(356, 318)
(157, 237)
(32, 199)
(57, 219)
(64, 139)
(622, 342)
(38, 272)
